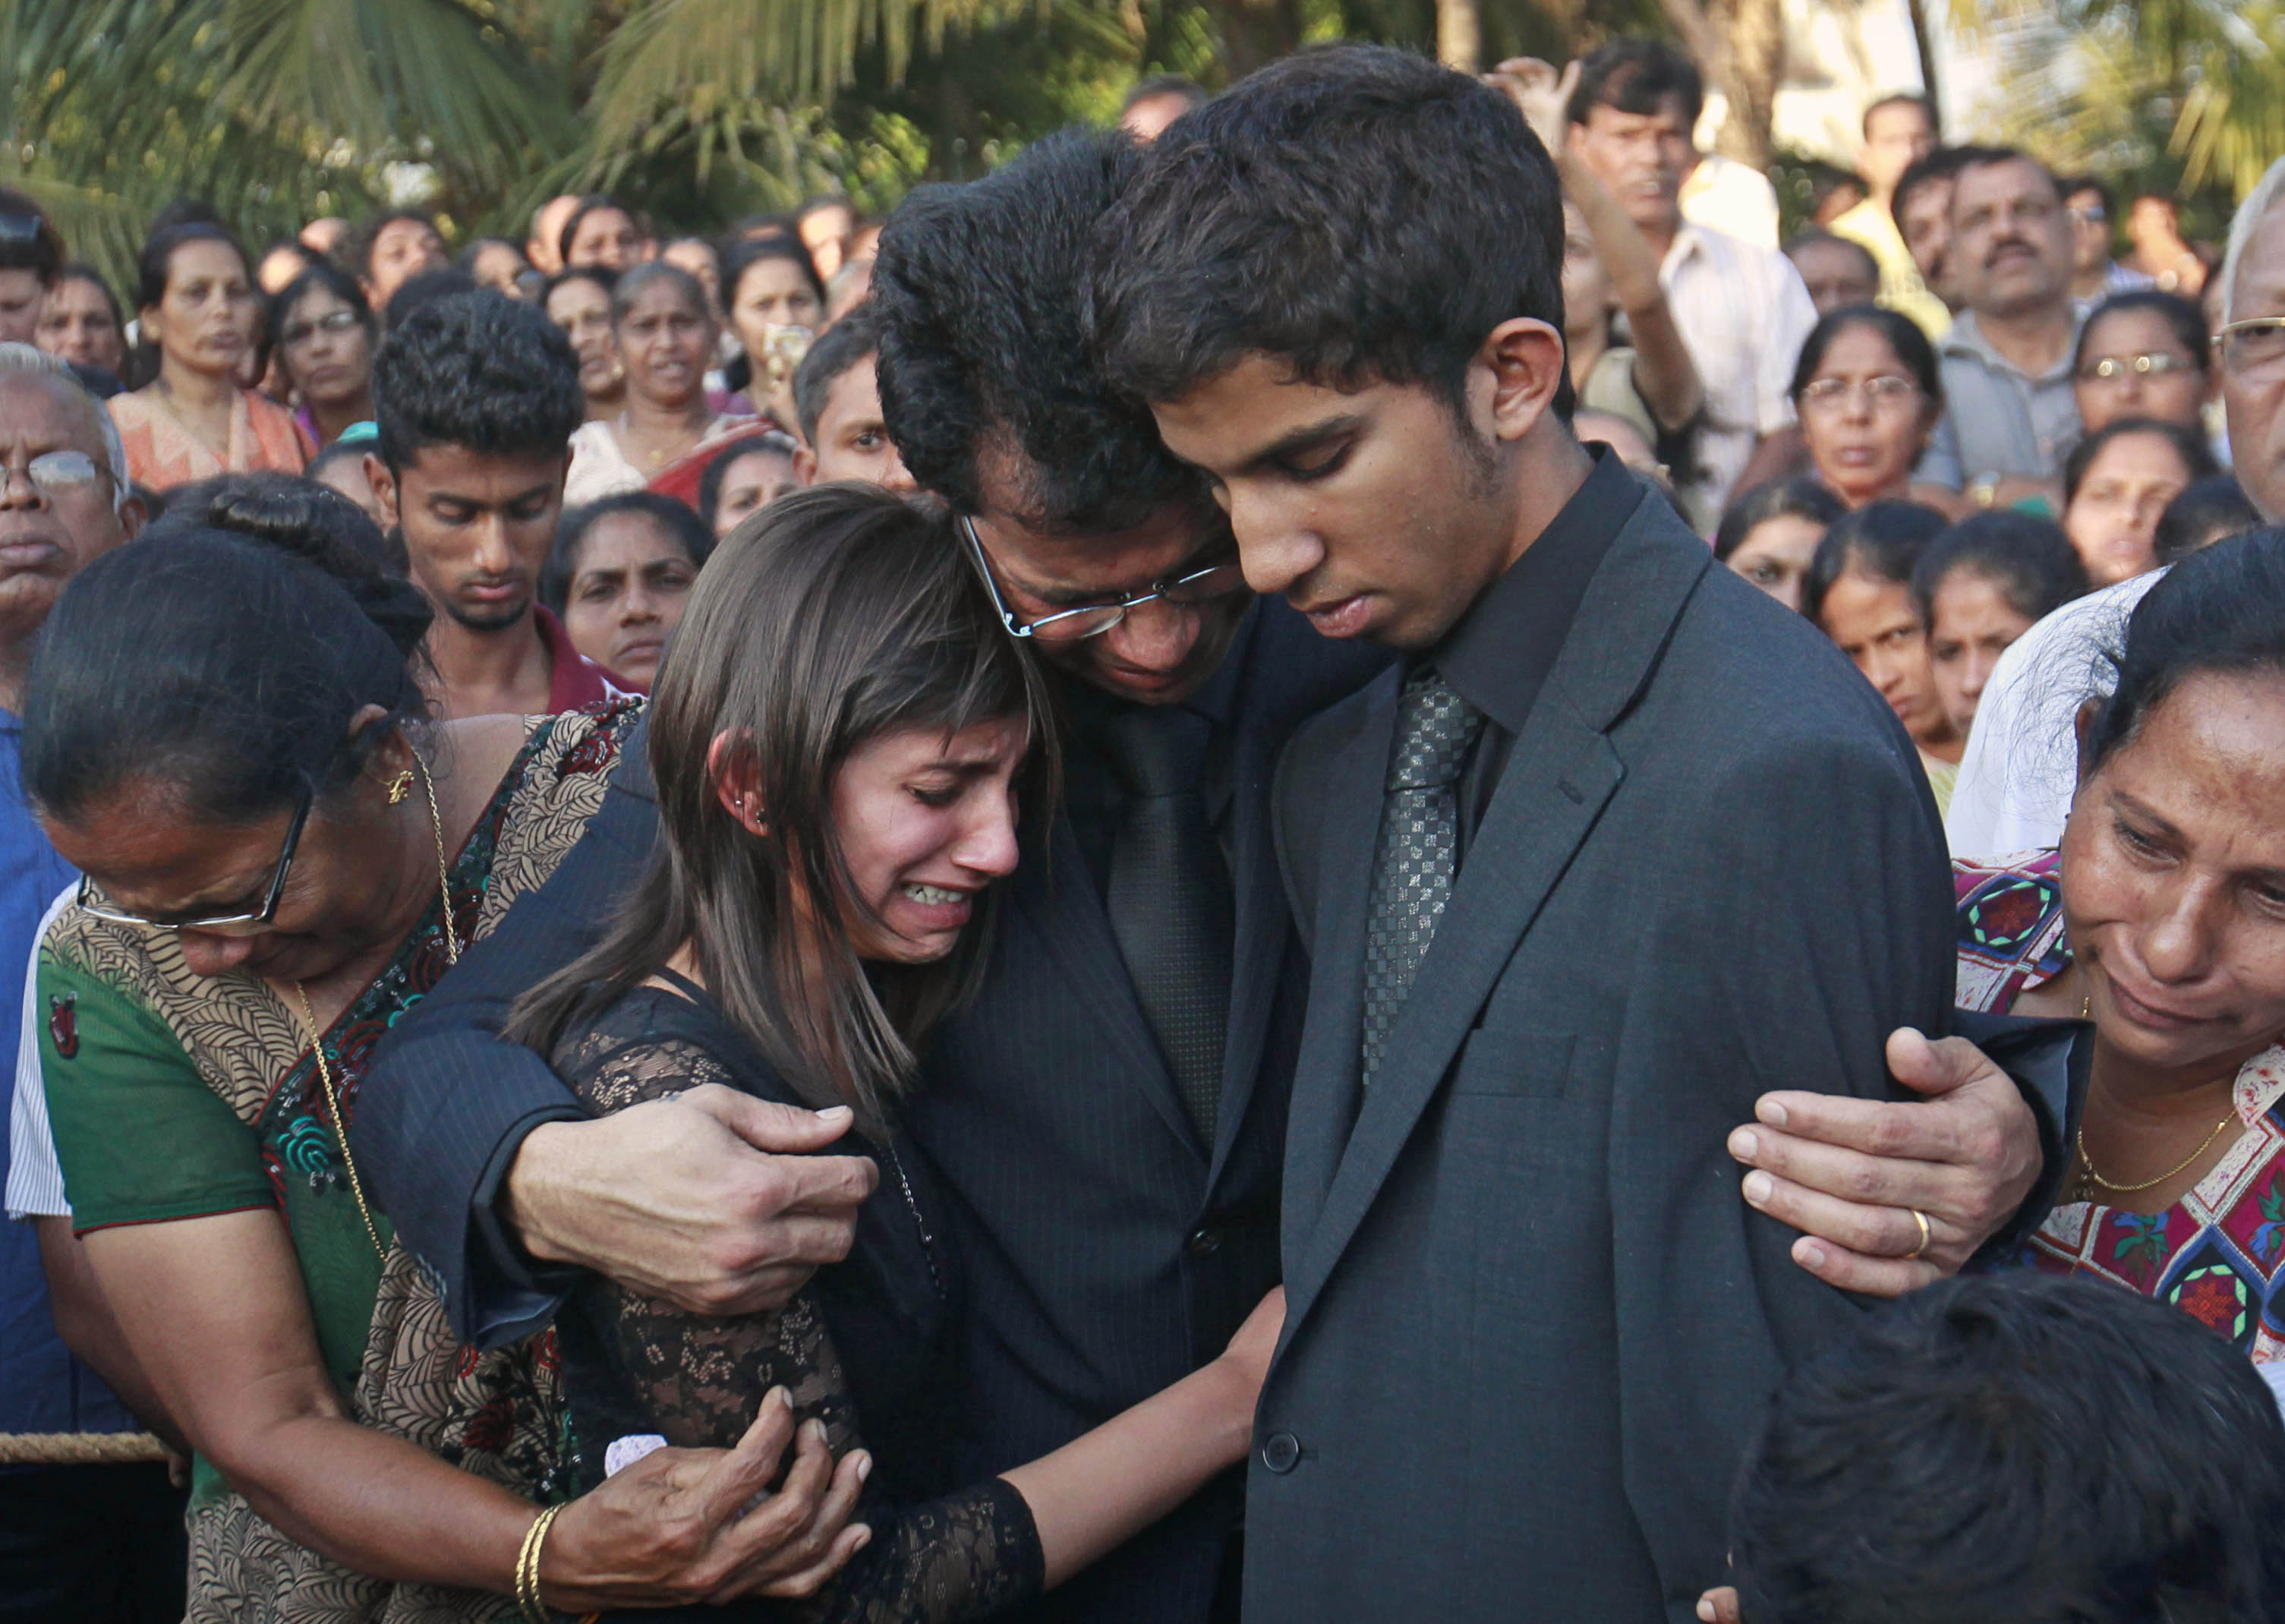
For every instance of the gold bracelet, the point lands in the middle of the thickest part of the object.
(527, 1566)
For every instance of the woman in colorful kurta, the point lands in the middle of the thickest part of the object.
(223, 733)
(2161, 918)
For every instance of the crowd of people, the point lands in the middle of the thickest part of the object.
(1274, 869)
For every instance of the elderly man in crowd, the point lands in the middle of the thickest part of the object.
(2016, 780)
(99, 1543)
(2009, 414)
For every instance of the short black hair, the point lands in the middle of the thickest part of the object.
(840, 347)
(1423, 215)
(1901, 99)
(978, 296)
(30, 241)
(1817, 236)
(2072, 185)
(357, 248)
(481, 371)
(1797, 497)
(1944, 164)
(437, 282)
(2016, 1448)
(675, 518)
(2203, 512)
(1882, 540)
(1163, 87)
(2197, 457)
(2025, 555)
(1902, 332)
(603, 275)
(1637, 76)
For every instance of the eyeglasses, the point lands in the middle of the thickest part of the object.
(60, 473)
(332, 321)
(220, 924)
(1094, 619)
(2254, 345)
(2092, 213)
(1830, 394)
(2157, 365)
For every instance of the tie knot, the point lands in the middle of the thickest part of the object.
(1158, 749)
(1434, 729)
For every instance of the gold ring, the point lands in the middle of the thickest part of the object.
(1927, 1234)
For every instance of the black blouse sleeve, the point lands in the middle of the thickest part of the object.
(636, 1363)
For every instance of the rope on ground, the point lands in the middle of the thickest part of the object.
(78, 1448)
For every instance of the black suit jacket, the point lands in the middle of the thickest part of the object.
(1107, 1251)
(1531, 1323)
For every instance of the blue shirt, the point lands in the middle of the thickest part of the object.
(43, 1388)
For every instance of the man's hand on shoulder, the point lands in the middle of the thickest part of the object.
(1852, 1173)
(716, 1201)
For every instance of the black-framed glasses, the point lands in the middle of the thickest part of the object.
(220, 924)
(2157, 363)
(1094, 619)
(2255, 345)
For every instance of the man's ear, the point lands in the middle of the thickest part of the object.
(133, 515)
(805, 467)
(383, 482)
(1527, 364)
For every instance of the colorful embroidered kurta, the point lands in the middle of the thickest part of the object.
(2218, 1253)
(173, 1095)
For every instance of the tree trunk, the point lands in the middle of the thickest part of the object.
(1740, 46)
(1925, 44)
(1459, 36)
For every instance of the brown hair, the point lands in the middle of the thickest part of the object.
(825, 619)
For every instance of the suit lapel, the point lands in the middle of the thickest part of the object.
(1325, 1076)
(1058, 903)
(1547, 803)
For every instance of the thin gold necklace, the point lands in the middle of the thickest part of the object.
(2087, 1162)
(318, 1038)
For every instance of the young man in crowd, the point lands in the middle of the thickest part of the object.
(101, 1543)
(1528, 1330)
(1742, 308)
(1839, 271)
(2095, 275)
(475, 399)
(2010, 415)
(1922, 210)
(837, 396)
(1899, 131)
(1111, 1111)
(2022, 765)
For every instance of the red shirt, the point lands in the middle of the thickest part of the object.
(574, 681)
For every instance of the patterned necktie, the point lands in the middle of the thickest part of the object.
(1414, 858)
(1169, 899)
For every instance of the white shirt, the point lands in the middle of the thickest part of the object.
(1744, 312)
(35, 1178)
(1732, 198)
(2022, 764)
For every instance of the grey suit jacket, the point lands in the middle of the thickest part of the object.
(1531, 1323)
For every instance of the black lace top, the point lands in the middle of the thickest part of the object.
(867, 1348)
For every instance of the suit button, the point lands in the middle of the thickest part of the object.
(1205, 1242)
(1281, 1452)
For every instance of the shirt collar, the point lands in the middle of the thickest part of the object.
(1501, 653)
(1966, 339)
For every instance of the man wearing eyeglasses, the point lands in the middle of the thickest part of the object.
(84, 1541)
(2017, 778)
(2095, 275)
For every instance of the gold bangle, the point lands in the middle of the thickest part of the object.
(527, 1566)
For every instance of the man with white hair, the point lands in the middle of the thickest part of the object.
(2022, 765)
(81, 1542)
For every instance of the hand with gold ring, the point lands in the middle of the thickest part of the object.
(1927, 1234)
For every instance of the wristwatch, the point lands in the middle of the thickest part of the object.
(1983, 490)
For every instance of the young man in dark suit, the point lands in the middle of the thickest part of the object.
(1614, 849)
(1111, 1111)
